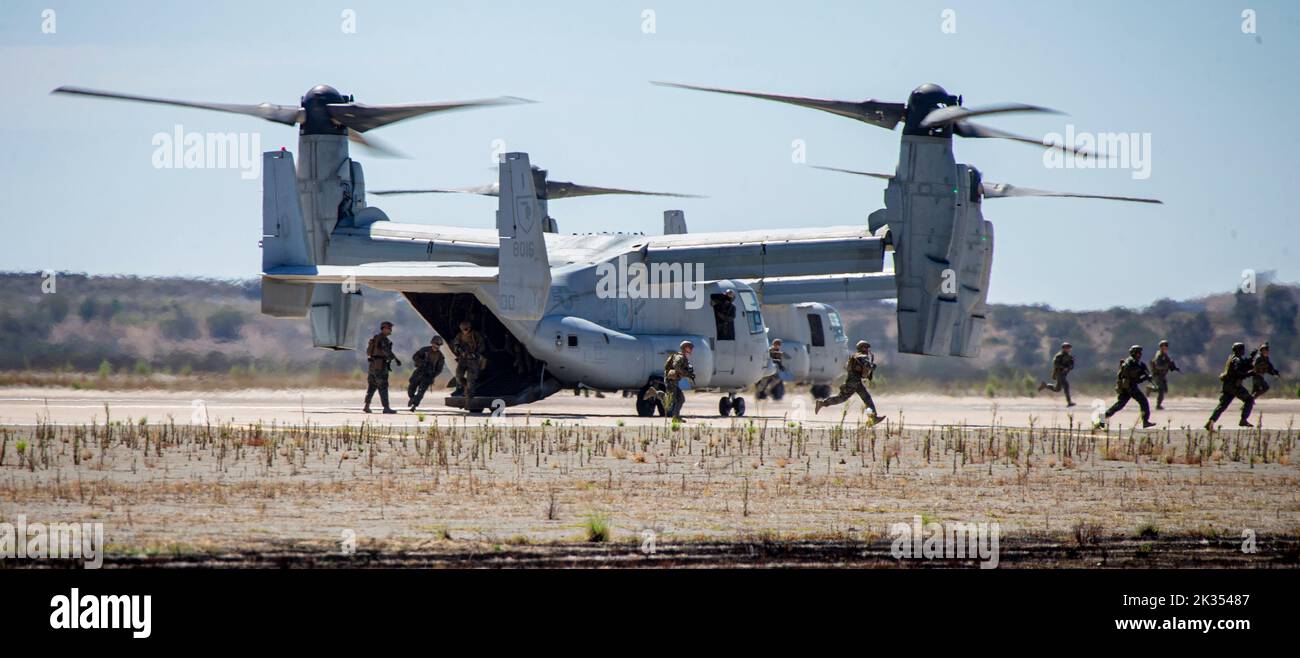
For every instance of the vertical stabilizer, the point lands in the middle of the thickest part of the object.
(674, 222)
(285, 240)
(524, 276)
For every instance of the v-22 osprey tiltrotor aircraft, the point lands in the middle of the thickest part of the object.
(545, 302)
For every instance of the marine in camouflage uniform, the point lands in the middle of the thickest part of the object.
(1235, 371)
(1128, 386)
(1262, 366)
(859, 367)
(766, 384)
(470, 347)
(1062, 364)
(724, 313)
(428, 361)
(1161, 365)
(676, 368)
(379, 352)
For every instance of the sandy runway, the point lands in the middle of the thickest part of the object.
(333, 407)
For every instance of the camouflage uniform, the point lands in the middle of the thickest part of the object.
(1263, 366)
(1235, 371)
(1062, 364)
(1132, 372)
(1161, 365)
(766, 384)
(859, 366)
(428, 361)
(470, 359)
(677, 367)
(379, 351)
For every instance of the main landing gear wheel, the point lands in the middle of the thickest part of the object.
(730, 404)
(820, 391)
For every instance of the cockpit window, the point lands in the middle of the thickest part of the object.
(755, 316)
(837, 327)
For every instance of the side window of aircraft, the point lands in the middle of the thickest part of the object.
(573, 340)
(724, 326)
(976, 185)
(749, 301)
(818, 338)
(837, 327)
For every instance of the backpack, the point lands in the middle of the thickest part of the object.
(668, 365)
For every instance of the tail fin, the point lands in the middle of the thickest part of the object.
(524, 270)
(284, 237)
(284, 231)
(674, 222)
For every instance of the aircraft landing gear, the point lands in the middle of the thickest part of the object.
(820, 391)
(731, 403)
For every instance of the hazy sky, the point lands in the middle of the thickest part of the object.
(82, 192)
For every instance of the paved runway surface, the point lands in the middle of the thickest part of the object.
(26, 406)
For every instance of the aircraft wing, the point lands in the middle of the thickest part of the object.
(773, 252)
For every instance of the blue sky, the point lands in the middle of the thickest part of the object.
(82, 193)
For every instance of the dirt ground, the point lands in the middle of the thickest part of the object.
(300, 475)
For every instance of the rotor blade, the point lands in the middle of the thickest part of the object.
(377, 147)
(361, 117)
(1002, 190)
(491, 189)
(946, 115)
(968, 129)
(877, 113)
(855, 172)
(286, 114)
(564, 190)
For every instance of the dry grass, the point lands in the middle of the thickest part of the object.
(254, 486)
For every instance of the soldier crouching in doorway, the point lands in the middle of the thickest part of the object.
(428, 361)
(470, 348)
